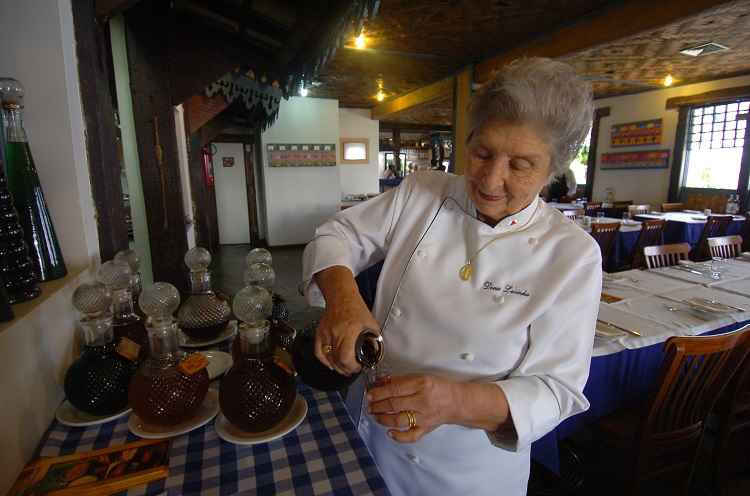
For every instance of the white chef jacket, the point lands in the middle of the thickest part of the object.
(525, 321)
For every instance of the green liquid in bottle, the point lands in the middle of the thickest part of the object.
(28, 197)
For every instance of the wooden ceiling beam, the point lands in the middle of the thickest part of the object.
(107, 8)
(607, 25)
(409, 126)
(420, 96)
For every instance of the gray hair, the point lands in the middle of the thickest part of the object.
(543, 92)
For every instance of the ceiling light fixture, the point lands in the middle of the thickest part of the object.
(669, 80)
(703, 49)
(380, 96)
(360, 41)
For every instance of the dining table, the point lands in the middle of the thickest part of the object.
(686, 227)
(324, 455)
(626, 239)
(655, 304)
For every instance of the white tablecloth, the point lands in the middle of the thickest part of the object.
(625, 226)
(690, 218)
(729, 271)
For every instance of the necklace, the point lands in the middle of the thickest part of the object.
(467, 270)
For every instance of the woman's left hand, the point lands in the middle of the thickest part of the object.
(431, 400)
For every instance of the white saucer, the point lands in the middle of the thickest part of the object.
(229, 331)
(206, 412)
(232, 434)
(218, 362)
(71, 416)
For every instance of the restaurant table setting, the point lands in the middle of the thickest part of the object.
(627, 237)
(708, 273)
(639, 310)
(686, 227)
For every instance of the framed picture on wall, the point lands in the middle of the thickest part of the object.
(355, 150)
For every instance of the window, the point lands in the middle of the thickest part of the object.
(715, 138)
(580, 163)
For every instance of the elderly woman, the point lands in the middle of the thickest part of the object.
(487, 299)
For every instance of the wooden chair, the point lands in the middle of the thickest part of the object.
(660, 440)
(716, 226)
(732, 415)
(672, 207)
(652, 232)
(605, 235)
(573, 214)
(592, 208)
(634, 210)
(725, 246)
(665, 255)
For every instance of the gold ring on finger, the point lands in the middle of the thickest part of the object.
(412, 416)
(327, 349)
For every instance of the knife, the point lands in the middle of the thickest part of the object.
(615, 326)
(687, 269)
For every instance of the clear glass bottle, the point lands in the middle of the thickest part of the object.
(136, 281)
(97, 382)
(163, 392)
(117, 277)
(28, 196)
(203, 315)
(256, 393)
(262, 274)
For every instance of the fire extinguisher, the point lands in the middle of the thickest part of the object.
(208, 167)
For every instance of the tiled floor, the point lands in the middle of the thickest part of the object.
(228, 268)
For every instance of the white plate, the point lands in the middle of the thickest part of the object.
(229, 331)
(232, 434)
(71, 416)
(206, 412)
(218, 362)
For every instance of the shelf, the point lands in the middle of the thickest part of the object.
(49, 289)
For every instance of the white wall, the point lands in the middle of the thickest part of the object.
(298, 199)
(231, 194)
(359, 178)
(38, 48)
(652, 185)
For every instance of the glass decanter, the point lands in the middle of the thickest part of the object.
(262, 274)
(256, 393)
(164, 391)
(203, 315)
(130, 333)
(136, 282)
(27, 192)
(258, 255)
(97, 382)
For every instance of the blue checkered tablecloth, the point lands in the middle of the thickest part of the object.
(323, 456)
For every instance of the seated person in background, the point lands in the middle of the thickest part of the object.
(562, 188)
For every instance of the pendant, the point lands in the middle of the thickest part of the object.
(465, 272)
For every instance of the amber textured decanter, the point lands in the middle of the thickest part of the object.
(166, 390)
(136, 281)
(130, 333)
(97, 382)
(203, 315)
(256, 393)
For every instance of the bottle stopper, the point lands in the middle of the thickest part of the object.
(159, 301)
(260, 274)
(92, 299)
(258, 255)
(197, 259)
(115, 275)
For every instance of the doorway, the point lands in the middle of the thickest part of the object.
(235, 187)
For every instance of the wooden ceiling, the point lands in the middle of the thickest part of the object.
(440, 37)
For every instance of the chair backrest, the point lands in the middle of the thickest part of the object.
(605, 234)
(665, 255)
(694, 372)
(634, 210)
(622, 203)
(573, 214)
(672, 207)
(716, 226)
(745, 231)
(651, 235)
(725, 246)
(591, 209)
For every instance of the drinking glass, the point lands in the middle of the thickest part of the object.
(600, 214)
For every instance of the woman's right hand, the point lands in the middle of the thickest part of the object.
(345, 316)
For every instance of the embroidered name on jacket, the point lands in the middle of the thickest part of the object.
(507, 290)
